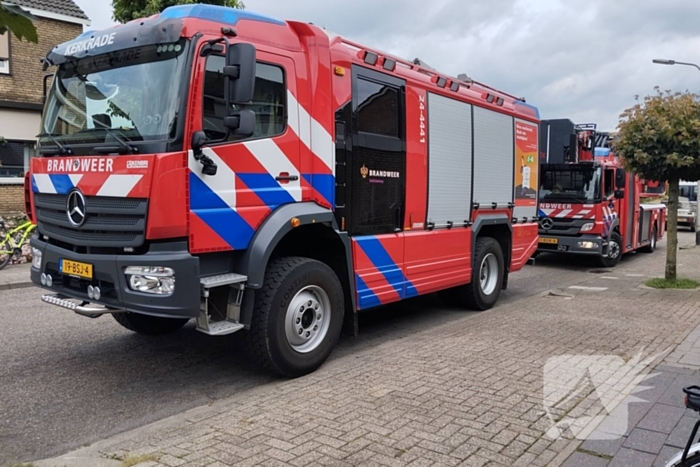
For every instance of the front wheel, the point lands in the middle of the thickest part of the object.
(614, 253)
(297, 318)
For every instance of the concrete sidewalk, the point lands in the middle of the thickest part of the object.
(466, 393)
(15, 276)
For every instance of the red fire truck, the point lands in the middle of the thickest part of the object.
(272, 178)
(589, 204)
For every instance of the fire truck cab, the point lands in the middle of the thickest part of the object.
(271, 178)
(590, 205)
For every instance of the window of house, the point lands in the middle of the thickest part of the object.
(5, 53)
(12, 159)
(268, 102)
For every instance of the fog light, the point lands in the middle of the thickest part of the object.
(36, 258)
(43, 279)
(93, 292)
(96, 293)
(588, 245)
(156, 280)
(587, 227)
(49, 280)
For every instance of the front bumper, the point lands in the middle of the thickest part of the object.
(686, 220)
(572, 244)
(108, 275)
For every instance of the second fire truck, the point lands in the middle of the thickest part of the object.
(589, 204)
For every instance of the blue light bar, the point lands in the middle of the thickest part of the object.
(601, 152)
(220, 14)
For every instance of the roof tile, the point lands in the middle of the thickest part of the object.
(62, 7)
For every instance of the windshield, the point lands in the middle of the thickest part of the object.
(689, 191)
(574, 184)
(129, 94)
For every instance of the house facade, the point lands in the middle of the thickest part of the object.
(21, 90)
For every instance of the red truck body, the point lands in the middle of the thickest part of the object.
(277, 195)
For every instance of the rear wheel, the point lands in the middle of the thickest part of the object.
(148, 325)
(5, 253)
(487, 278)
(297, 318)
(614, 253)
(652, 243)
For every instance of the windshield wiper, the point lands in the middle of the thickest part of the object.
(62, 150)
(114, 133)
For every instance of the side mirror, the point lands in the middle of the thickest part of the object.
(241, 123)
(619, 194)
(46, 77)
(620, 178)
(239, 73)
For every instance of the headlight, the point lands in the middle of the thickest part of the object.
(36, 258)
(587, 227)
(588, 245)
(156, 280)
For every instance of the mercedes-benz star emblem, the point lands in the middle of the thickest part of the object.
(75, 208)
(547, 223)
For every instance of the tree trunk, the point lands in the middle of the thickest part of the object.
(672, 231)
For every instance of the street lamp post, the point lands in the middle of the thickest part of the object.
(660, 61)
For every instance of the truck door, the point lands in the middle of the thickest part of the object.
(612, 208)
(376, 183)
(254, 176)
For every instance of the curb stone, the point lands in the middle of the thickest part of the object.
(16, 285)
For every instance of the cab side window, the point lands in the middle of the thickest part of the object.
(269, 100)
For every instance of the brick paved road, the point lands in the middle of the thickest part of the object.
(466, 392)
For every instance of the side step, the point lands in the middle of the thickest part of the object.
(236, 284)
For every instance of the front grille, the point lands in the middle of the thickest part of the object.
(564, 226)
(109, 222)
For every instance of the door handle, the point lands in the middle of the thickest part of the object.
(285, 177)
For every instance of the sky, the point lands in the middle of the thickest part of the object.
(585, 61)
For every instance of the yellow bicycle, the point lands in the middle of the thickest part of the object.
(12, 241)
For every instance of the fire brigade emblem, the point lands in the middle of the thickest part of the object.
(364, 171)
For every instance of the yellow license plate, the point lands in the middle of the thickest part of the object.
(552, 241)
(74, 268)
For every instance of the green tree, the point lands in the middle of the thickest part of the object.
(659, 139)
(127, 10)
(18, 21)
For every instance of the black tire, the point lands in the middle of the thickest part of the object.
(149, 325)
(693, 460)
(652, 244)
(4, 258)
(610, 262)
(472, 295)
(267, 342)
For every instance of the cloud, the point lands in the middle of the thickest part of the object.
(583, 61)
